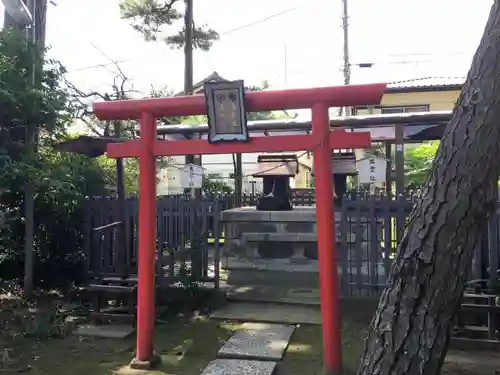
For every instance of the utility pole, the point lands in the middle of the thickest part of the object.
(347, 63)
(38, 10)
(345, 28)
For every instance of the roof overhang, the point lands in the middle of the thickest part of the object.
(381, 126)
(86, 145)
(430, 88)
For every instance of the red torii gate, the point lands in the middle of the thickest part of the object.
(321, 141)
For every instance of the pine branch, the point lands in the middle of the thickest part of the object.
(153, 18)
(149, 16)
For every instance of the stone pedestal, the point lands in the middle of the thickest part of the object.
(252, 234)
(279, 248)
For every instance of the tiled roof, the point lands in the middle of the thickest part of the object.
(198, 86)
(427, 82)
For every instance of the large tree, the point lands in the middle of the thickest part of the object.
(410, 331)
(60, 181)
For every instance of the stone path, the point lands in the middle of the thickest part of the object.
(255, 349)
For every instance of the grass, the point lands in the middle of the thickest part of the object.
(305, 352)
(185, 346)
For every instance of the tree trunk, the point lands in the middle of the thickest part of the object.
(411, 328)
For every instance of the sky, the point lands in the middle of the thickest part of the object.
(290, 43)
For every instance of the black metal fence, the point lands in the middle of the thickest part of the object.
(183, 228)
(370, 230)
(188, 233)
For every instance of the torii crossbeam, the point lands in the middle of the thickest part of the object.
(321, 141)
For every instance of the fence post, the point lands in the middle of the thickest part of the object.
(216, 230)
(344, 249)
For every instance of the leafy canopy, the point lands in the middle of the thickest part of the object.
(61, 181)
(418, 163)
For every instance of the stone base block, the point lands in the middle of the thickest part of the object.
(260, 341)
(239, 367)
(150, 364)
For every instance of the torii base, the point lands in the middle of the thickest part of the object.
(154, 362)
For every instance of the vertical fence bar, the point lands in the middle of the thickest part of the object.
(359, 233)
(374, 246)
(204, 217)
(217, 231)
(344, 250)
(386, 204)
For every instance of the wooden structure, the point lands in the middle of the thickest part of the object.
(117, 285)
(183, 228)
(276, 170)
(321, 141)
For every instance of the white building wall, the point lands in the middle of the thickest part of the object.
(222, 165)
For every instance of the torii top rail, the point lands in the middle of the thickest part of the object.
(321, 141)
(254, 101)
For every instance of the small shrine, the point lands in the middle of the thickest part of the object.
(276, 170)
(343, 165)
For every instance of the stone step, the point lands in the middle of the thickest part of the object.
(239, 367)
(272, 294)
(269, 313)
(110, 289)
(104, 331)
(277, 278)
(258, 341)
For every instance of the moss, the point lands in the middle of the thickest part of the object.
(185, 346)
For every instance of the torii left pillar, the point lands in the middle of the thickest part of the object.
(146, 357)
(321, 142)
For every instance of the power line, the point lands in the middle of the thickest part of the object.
(239, 28)
(340, 67)
(262, 20)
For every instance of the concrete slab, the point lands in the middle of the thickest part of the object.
(258, 341)
(269, 313)
(108, 331)
(239, 367)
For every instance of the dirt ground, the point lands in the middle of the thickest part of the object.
(470, 363)
(187, 344)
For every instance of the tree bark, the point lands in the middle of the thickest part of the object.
(411, 328)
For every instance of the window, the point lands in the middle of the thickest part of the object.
(405, 109)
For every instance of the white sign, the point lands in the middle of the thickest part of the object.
(371, 170)
(191, 176)
(169, 180)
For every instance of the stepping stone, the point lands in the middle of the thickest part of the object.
(269, 313)
(258, 341)
(107, 331)
(239, 367)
